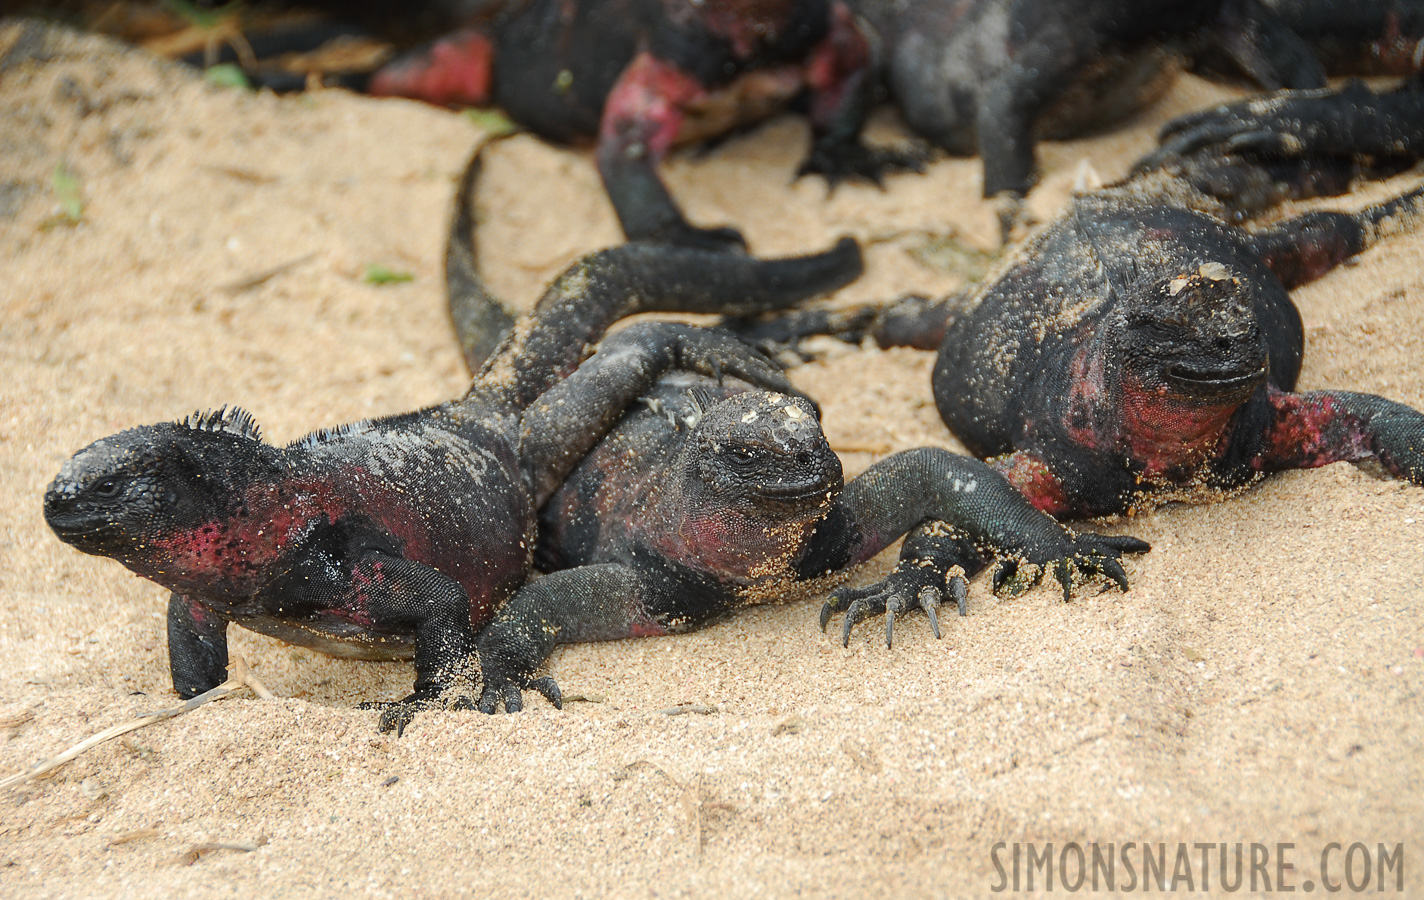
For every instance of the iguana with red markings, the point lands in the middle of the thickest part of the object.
(641, 75)
(401, 535)
(716, 494)
(1142, 348)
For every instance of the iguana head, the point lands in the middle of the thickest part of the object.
(763, 453)
(754, 479)
(1196, 336)
(148, 495)
(1190, 353)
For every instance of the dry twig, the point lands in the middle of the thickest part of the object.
(239, 677)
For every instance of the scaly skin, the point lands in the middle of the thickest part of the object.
(1251, 154)
(991, 77)
(1141, 349)
(1380, 37)
(718, 494)
(641, 75)
(401, 535)
(1140, 353)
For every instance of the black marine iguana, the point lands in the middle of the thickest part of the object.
(715, 495)
(991, 77)
(402, 535)
(639, 75)
(1141, 349)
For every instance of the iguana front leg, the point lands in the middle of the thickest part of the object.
(387, 594)
(197, 646)
(1348, 122)
(1253, 154)
(1316, 428)
(840, 73)
(566, 421)
(641, 119)
(603, 602)
(983, 513)
(1302, 249)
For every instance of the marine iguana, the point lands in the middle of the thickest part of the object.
(400, 536)
(1142, 349)
(714, 495)
(638, 75)
(991, 77)
(1253, 153)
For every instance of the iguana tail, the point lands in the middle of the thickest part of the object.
(524, 361)
(481, 320)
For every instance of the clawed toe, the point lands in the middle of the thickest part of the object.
(839, 602)
(396, 717)
(550, 689)
(397, 714)
(929, 602)
(858, 612)
(890, 599)
(505, 692)
(1113, 570)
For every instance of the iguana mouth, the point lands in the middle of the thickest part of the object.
(785, 492)
(83, 533)
(1216, 381)
(72, 526)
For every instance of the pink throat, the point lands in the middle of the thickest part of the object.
(1166, 431)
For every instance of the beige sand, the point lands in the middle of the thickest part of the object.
(1260, 682)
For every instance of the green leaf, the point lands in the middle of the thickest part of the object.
(492, 121)
(227, 75)
(379, 274)
(65, 185)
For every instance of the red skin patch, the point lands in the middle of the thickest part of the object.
(1032, 477)
(746, 23)
(725, 543)
(1308, 259)
(1310, 430)
(649, 104)
(456, 71)
(1169, 433)
(646, 107)
(234, 556)
(1396, 51)
(836, 65)
(1087, 396)
(357, 608)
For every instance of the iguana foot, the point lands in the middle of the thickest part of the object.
(1090, 557)
(908, 586)
(854, 161)
(510, 691)
(397, 714)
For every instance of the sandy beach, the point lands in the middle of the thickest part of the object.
(1262, 681)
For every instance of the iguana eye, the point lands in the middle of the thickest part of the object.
(108, 488)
